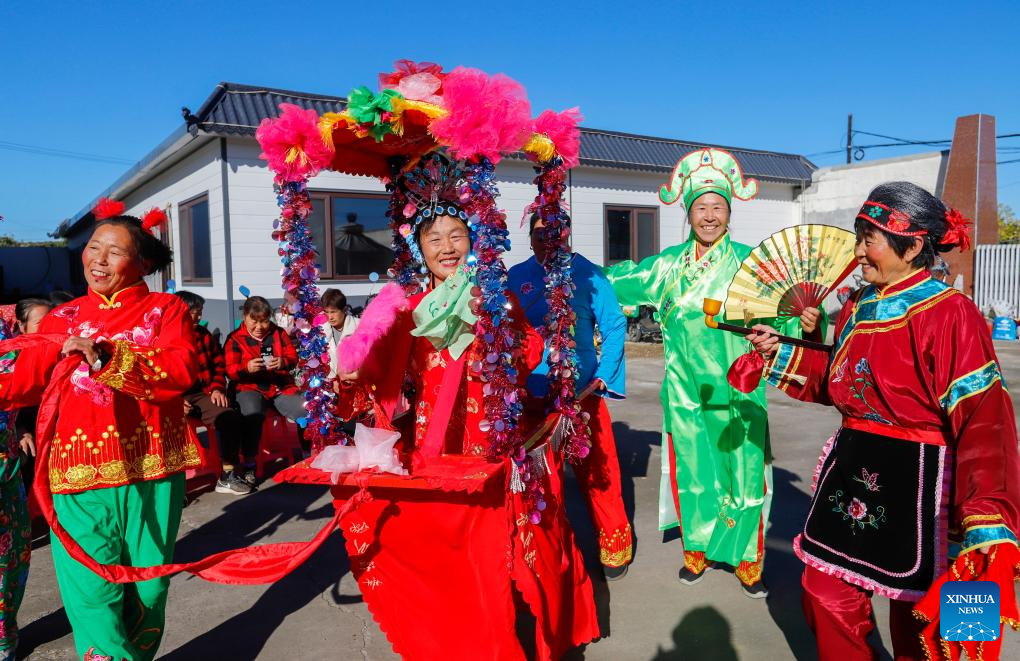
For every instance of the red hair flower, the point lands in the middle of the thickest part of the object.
(898, 221)
(958, 233)
(153, 217)
(107, 208)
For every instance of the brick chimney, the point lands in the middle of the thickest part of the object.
(970, 188)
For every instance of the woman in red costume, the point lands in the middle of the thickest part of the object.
(923, 477)
(436, 329)
(120, 443)
(417, 363)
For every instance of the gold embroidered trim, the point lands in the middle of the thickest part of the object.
(616, 558)
(616, 550)
(900, 323)
(122, 362)
(748, 573)
(695, 561)
(179, 453)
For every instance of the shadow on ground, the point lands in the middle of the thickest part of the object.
(702, 634)
(249, 521)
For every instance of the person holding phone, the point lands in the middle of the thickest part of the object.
(260, 357)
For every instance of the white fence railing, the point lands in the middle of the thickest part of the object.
(997, 276)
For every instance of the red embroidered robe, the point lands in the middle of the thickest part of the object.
(913, 364)
(125, 422)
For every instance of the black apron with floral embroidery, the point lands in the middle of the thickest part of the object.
(878, 513)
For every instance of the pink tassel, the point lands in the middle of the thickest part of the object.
(292, 144)
(379, 317)
(488, 115)
(562, 129)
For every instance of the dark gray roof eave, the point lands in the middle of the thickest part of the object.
(615, 150)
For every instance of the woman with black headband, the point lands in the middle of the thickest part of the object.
(924, 469)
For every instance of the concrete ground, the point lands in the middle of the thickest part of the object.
(317, 612)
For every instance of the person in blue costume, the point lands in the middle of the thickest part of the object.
(601, 371)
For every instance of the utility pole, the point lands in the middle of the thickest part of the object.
(849, 137)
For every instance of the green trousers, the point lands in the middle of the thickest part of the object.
(130, 525)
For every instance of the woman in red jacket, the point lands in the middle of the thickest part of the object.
(925, 467)
(260, 357)
(115, 440)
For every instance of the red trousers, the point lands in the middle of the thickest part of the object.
(841, 618)
(598, 475)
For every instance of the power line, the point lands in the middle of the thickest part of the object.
(61, 153)
(901, 141)
(904, 142)
(1014, 160)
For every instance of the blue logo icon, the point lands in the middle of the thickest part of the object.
(969, 610)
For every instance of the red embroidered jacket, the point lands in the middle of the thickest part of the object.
(212, 364)
(428, 366)
(399, 356)
(241, 347)
(125, 422)
(916, 361)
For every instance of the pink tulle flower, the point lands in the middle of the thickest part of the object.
(407, 69)
(416, 81)
(292, 145)
(488, 115)
(562, 129)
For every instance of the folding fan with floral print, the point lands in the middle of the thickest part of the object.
(795, 268)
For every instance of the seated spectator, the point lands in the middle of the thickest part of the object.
(260, 357)
(339, 323)
(207, 400)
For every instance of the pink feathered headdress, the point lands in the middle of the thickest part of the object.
(487, 115)
(562, 129)
(292, 144)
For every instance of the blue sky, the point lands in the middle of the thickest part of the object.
(108, 79)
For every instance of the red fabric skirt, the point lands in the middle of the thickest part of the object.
(438, 555)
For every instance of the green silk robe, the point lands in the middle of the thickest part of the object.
(716, 460)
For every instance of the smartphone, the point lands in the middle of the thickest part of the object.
(267, 351)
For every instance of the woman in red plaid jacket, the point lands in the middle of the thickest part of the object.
(207, 400)
(260, 357)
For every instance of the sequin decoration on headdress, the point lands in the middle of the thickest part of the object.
(431, 189)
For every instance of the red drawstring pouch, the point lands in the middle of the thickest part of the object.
(745, 372)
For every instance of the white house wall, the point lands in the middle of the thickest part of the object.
(252, 210)
(197, 174)
(837, 193)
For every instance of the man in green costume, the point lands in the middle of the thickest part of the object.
(716, 461)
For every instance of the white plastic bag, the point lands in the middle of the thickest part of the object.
(337, 459)
(375, 449)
